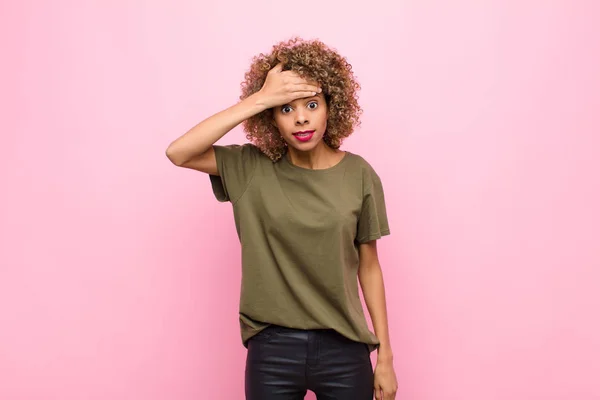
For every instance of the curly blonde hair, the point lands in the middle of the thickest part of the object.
(312, 60)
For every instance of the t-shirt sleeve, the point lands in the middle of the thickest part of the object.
(373, 221)
(236, 165)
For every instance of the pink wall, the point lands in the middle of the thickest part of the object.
(119, 273)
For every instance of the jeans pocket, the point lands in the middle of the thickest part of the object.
(264, 335)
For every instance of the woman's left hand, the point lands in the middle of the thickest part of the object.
(386, 384)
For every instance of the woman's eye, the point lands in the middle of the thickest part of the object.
(312, 105)
(286, 109)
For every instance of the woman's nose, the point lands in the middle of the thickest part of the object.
(301, 119)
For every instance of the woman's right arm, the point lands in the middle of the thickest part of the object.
(194, 149)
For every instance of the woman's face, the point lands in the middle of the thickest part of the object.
(302, 123)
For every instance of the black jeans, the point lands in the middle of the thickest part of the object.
(283, 363)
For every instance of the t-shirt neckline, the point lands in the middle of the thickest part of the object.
(309, 170)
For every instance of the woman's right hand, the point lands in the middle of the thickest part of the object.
(282, 87)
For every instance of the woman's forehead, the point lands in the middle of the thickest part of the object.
(302, 100)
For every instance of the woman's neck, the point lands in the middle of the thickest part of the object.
(321, 157)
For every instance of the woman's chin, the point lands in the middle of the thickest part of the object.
(304, 145)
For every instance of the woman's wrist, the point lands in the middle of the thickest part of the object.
(260, 101)
(384, 353)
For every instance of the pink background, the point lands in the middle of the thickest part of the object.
(119, 273)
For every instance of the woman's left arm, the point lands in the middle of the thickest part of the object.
(371, 281)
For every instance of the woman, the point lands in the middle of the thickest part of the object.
(308, 216)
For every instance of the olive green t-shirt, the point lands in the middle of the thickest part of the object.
(299, 231)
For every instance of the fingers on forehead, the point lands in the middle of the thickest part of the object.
(297, 75)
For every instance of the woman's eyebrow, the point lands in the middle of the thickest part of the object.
(305, 100)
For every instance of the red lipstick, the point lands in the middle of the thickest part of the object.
(304, 136)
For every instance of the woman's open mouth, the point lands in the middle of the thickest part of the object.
(304, 136)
